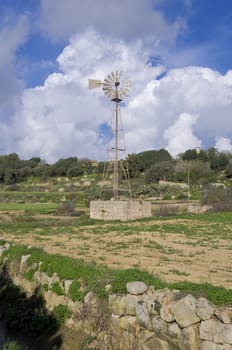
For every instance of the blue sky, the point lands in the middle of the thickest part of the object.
(50, 48)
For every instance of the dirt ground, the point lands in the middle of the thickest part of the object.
(173, 256)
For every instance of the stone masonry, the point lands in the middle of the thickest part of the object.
(119, 210)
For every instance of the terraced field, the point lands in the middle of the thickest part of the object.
(196, 248)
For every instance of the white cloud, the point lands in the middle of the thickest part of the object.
(180, 135)
(11, 37)
(223, 144)
(63, 118)
(122, 18)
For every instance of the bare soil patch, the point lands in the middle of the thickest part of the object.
(164, 248)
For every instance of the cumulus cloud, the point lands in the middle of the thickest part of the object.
(180, 135)
(223, 144)
(123, 18)
(62, 117)
(11, 37)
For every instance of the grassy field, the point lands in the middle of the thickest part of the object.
(196, 248)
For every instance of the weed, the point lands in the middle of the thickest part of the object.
(29, 274)
(57, 289)
(13, 345)
(179, 273)
(61, 313)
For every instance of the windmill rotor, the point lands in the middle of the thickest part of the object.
(114, 85)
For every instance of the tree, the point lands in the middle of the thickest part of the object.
(62, 165)
(74, 171)
(148, 158)
(158, 171)
(228, 170)
(9, 176)
(218, 160)
(133, 165)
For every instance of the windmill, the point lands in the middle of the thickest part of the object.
(116, 88)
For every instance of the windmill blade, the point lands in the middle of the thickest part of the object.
(93, 83)
(124, 91)
(107, 80)
(110, 78)
(117, 76)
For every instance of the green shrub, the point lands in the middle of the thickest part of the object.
(219, 198)
(61, 313)
(12, 345)
(74, 292)
(57, 289)
(29, 274)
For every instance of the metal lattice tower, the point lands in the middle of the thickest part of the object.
(116, 88)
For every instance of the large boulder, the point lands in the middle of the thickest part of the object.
(156, 343)
(208, 345)
(166, 309)
(224, 314)
(190, 338)
(204, 309)
(184, 311)
(136, 287)
(216, 331)
(117, 304)
(142, 314)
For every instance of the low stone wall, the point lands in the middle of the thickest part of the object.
(119, 210)
(171, 320)
(144, 318)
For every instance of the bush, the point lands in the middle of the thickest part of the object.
(66, 209)
(219, 198)
(74, 292)
(56, 288)
(61, 313)
(12, 345)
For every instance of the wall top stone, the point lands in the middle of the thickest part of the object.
(136, 287)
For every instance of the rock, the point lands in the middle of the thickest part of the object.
(159, 294)
(136, 287)
(208, 345)
(43, 278)
(53, 299)
(67, 284)
(86, 183)
(152, 305)
(142, 314)
(184, 311)
(24, 260)
(174, 330)
(166, 309)
(158, 325)
(224, 314)
(108, 288)
(216, 331)
(131, 302)
(125, 322)
(90, 298)
(204, 309)
(117, 304)
(7, 246)
(190, 338)
(157, 344)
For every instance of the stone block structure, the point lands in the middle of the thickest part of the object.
(119, 209)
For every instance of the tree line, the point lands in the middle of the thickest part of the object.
(154, 165)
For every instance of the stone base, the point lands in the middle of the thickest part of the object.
(119, 210)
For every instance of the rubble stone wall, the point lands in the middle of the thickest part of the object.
(144, 318)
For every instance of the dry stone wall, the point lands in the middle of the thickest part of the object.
(144, 318)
